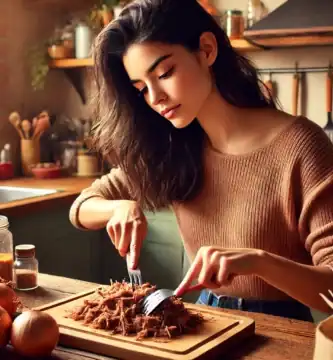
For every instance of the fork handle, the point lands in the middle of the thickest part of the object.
(196, 287)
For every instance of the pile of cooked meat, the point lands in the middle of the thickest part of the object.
(117, 308)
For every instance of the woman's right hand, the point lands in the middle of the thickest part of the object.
(127, 229)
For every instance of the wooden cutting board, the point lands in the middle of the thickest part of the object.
(219, 331)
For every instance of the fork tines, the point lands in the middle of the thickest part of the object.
(327, 300)
(135, 276)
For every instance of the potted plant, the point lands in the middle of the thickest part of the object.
(57, 49)
(105, 12)
(58, 46)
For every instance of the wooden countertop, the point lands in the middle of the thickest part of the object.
(69, 187)
(275, 339)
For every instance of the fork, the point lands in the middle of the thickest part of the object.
(134, 275)
(327, 300)
(152, 301)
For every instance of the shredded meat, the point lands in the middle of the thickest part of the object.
(117, 308)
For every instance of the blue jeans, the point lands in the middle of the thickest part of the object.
(289, 309)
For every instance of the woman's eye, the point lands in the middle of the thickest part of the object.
(167, 74)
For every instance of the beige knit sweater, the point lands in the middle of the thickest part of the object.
(278, 198)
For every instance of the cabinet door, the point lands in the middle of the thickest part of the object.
(61, 249)
(162, 254)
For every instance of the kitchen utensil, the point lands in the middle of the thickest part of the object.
(34, 123)
(152, 301)
(329, 126)
(42, 124)
(327, 300)
(220, 331)
(269, 87)
(295, 94)
(135, 276)
(30, 154)
(15, 120)
(26, 127)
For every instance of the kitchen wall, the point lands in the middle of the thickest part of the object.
(313, 95)
(23, 24)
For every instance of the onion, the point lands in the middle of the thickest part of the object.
(5, 326)
(34, 333)
(8, 299)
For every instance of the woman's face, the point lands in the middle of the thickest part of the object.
(173, 81)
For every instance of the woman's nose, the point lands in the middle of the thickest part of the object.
(156, 95)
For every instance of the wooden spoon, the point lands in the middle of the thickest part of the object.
(43, 123)
(15, 120)
(295, 94)
(26, 127)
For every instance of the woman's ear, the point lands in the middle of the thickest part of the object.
(208, 47)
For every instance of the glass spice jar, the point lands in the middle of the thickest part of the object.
(6, 250)
(25, 267)
(233, 24)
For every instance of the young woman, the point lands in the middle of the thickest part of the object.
(183, 120)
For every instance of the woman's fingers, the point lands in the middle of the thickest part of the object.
(110, 228)
(207, 276)
(191, 275)
(223, 276)
(135, 245)
(125, 239)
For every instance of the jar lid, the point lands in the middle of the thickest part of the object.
(25, 250)
(3, 222)
(234, 12)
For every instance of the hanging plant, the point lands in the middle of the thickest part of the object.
(39, 67)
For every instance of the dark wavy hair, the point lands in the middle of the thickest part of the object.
(162, 164)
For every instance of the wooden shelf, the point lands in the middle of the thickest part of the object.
(70, 63)
(243, 45)
(72, 67)
(239, 44)
(294, 41)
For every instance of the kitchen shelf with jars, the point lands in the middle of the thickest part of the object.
(238, 44)
(68, 49)
(72, 55)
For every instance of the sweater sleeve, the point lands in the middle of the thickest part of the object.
(111, 186)
(316, 217)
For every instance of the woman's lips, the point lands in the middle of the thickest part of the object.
(170, 113)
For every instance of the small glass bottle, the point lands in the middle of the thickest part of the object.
(6, 250)
(25, 267)
(83, 41)
(233, 24)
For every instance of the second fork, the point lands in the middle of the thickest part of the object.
(135, 276)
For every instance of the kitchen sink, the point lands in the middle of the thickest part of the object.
(13, 193)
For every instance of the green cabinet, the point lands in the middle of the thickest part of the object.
(60, 248)
(162, 254)
(90, 255)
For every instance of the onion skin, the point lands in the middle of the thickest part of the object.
(5, 327)
(8, 299)
(34, 333)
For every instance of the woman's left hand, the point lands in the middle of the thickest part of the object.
(214, 267)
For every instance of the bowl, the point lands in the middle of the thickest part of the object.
(47, 173)
(59, 52)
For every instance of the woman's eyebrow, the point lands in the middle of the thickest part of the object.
(154, 65)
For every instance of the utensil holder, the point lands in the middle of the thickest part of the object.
(30, 154)
(324, 340)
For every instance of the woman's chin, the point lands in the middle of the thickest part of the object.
(180, 123)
